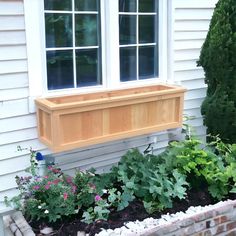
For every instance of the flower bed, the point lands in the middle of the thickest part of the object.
(142, 185)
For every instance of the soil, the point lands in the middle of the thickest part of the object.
(135, 211)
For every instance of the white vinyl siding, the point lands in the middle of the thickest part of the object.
(18, 126)
(191, 23)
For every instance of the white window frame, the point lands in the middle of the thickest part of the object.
(35, 39)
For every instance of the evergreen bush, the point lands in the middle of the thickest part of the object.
(218, 59)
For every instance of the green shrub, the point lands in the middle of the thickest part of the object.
(151, 179)
(219, 63)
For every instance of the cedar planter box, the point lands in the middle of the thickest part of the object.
(74, 121)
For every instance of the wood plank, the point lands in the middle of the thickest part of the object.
(13, 66)
(14, 80)
(17, 123)
(13, 52)
(12, 37)
(13, 94)
(12, 23)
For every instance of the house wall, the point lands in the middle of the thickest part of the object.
(190, 21)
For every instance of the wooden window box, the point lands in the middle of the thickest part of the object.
(74, 121)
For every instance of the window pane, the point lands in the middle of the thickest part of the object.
(147, 29)
(127, 5)
(147, 5)
(128, 64)
(127, 29)
(60, 69)
(88, 67)
(86, 5)
(62, 5)
(58, 30)
(147, 62)
(86, 33)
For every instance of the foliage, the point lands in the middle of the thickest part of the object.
(46, 197)
(219, 63)
(156, 180)
(210, 166)
(98, 195)
(150, 180)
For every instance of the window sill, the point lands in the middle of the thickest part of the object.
(69, 122)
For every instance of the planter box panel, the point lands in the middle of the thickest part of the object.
(45, 128)
(74, 121)
(80, 126)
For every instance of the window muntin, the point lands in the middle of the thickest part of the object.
(80, 34)
(138, 39)
(73, 43)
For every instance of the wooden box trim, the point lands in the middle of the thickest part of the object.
(57, 115)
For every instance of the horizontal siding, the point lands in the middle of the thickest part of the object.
(191, 23)
(12, 23)
(12, 37)
(17, 136)
(11, 8)
(8, 52)
(13, 66)
(13, 108)
(18, 127)
(13, 94)
(193, 14)
(17, 123)
(13, 80)
(195, 4)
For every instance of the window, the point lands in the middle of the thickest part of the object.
(74, 42)
(138, 39)
(87, 45)
(73, 45)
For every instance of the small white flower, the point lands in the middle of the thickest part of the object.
(46, 211)
(104, 191)
(39, 207)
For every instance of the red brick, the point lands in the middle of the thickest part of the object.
(220, 229)
(207, 233)
(223, 219)
(232, 233)
(231, 225)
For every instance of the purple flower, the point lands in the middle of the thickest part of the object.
(65, 196)
(97, 198)
(36, 187)
(47, 187)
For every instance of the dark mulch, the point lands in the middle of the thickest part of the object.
(135, 211)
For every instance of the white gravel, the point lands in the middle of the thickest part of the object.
(140, 227)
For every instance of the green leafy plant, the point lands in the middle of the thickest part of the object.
(98, 195)
(150, 180)
(48, 197)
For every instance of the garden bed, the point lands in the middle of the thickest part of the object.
(141, 186)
